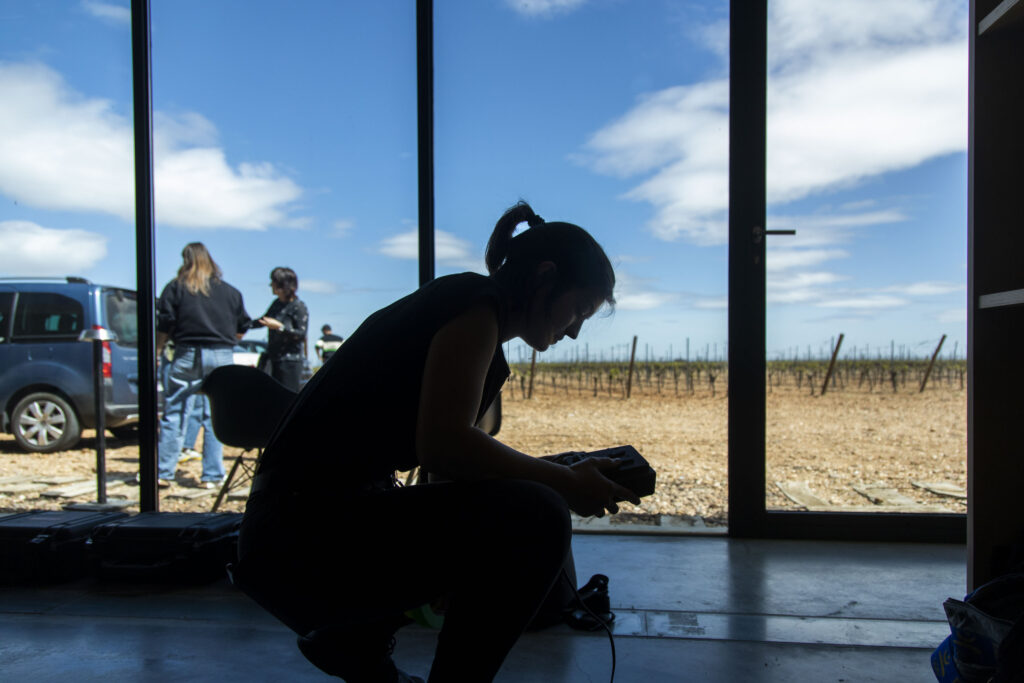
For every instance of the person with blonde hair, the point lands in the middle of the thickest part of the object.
(204, 316)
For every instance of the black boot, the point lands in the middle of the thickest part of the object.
(591, 610)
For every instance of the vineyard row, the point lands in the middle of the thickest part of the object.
(678, 378)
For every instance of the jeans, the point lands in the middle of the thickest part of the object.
(188, 369)
(197, 410)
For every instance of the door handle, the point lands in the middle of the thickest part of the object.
(760, 232)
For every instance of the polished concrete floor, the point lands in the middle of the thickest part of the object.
(689, 609)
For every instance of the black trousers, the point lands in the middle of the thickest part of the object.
(287, 372)
(493, 547)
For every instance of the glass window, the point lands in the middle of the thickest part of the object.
(122, 316)
(279, 145)
(866, 162)
(6, 299)
(44, 316)
(612, 116)
(286, 138)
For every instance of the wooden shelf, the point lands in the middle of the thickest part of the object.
(1006, 13)
(1014, 297)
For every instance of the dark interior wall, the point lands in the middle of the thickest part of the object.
(995, 468)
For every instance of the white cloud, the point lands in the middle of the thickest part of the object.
(866, 301)
(27, 248)
(449, 250)
(64, 151)
(818, 230)
(197, 188)
(342, 228)
(636, 294)
(183, 129)
(533, 8)
(799, 287)
(953, 315)
(403, 246)
(716, 303)
(641, 300)
(854, 91)
(787, 259)
(632, 294)
(318, 286)
(927, 288)
(786, 287)
(108, 11)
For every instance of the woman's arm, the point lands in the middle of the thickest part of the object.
(293, 321)
(296, 323)
(448, 442)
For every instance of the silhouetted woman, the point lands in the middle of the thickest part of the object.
(286, 321)
(335, 549)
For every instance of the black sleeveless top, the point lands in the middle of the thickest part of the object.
(355, 420)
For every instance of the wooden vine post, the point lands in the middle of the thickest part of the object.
(629, 377)
(533, 366)
(832, 364)
(931, 363)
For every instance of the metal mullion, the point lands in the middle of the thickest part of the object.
(425, 130)
(142, 106)
(747, 111)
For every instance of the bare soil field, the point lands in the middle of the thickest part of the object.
(831, 443)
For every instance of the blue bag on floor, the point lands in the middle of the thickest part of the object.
(978, 626)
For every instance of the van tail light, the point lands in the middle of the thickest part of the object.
(107, 357)
(107, 374)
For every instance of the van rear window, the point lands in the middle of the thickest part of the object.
(43, 316)
(6, 299)
(122, 316)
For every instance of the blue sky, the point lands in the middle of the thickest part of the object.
(286, 135)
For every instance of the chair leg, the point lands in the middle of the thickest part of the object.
(227, 482)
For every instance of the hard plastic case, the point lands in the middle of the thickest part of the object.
(183, 547)
(48, 545)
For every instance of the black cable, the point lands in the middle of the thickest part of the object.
(604, 624)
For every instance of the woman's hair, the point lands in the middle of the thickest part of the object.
(286, 280)
(197, 269)
(579, 260)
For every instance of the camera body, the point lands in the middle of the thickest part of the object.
(633, 471)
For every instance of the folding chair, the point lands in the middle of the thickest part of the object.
(246, 405)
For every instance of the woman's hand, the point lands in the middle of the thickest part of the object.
(591, 493)
(272, 323)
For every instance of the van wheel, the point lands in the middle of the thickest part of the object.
(45, 423)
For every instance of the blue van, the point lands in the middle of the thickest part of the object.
(46, 380)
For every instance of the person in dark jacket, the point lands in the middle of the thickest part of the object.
(204, 316)
(317, 544)
(286, 321)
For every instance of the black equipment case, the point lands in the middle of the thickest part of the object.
(48, 545)
(184, 547)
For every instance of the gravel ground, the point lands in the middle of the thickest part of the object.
(832, 443)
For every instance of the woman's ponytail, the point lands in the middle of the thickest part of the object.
(501, 238)
(578, 258)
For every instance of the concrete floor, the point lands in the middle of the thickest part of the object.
(689, 609)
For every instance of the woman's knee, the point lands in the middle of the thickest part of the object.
(534, 514)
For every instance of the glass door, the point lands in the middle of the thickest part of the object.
(283, 139)
(612, 116)
(850, 270)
